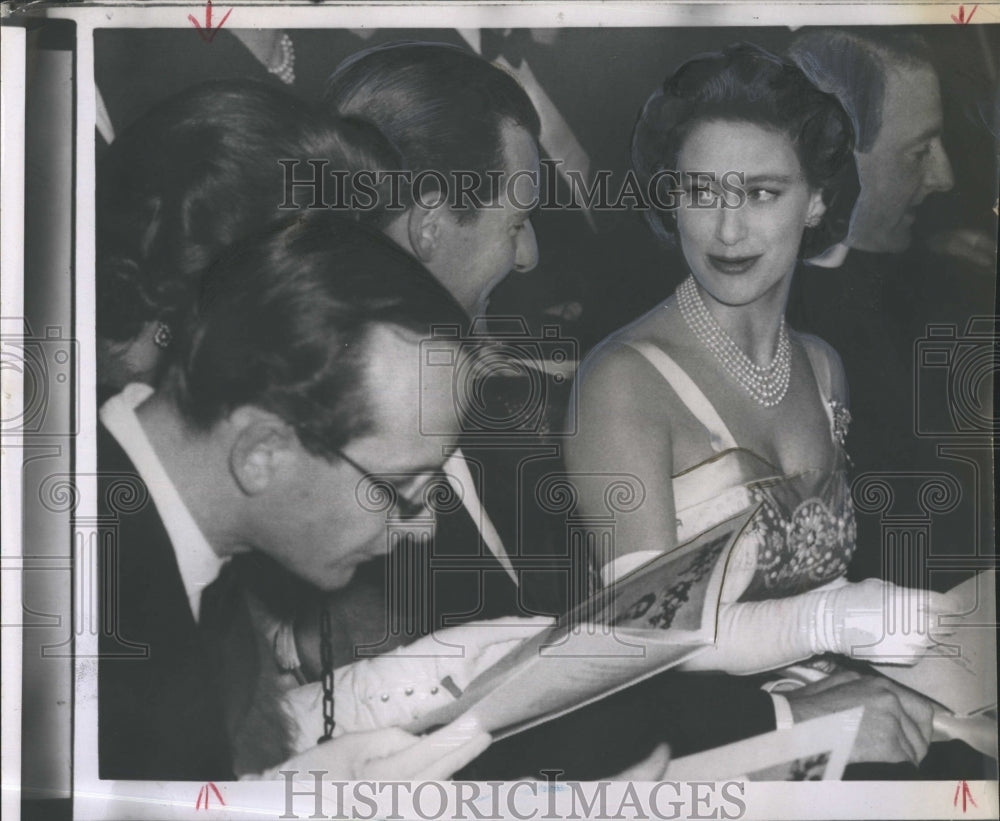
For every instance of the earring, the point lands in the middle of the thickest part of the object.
(812, 222)
(162, 336)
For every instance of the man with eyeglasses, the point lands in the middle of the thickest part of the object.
(286, 388)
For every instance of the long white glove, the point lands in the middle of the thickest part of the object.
(396, 688)
(872, 620)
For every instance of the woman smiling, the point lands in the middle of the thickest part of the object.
(712, 402)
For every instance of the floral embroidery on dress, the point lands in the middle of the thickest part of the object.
(841, 421)
(804, 544)
(808, 548)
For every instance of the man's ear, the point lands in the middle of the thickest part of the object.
(425, 227)
(264, 446)
(816, 210)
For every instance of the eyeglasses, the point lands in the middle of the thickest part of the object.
(406, 508)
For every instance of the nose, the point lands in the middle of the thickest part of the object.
(526, 255)
(731, 225)
(939, 176)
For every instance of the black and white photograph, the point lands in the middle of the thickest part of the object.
(499, 410)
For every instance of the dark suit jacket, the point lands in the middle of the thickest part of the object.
(159, 711)
(875, 310)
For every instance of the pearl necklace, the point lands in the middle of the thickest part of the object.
(767, 385)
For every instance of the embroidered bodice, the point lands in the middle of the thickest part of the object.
(804, 532)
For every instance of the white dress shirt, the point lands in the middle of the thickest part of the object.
(199, 564)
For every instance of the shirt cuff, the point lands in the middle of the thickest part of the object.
(783, 719)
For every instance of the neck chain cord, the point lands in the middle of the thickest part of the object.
(768, 384)
(326, 661)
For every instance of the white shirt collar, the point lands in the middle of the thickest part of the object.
(198, 563)
(456, 469)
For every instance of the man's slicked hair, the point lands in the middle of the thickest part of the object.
(283, 322)
(442, 106)
(853, 65)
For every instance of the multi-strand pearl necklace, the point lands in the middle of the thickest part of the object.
(767, 385)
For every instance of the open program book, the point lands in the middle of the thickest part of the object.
(960, 672)
(652, 619)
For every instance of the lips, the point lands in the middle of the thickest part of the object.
(733, 265)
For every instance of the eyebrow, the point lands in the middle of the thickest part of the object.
(781, 179)
(757, 179)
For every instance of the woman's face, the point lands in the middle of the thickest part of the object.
(747, 250)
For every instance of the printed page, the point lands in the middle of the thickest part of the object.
(649, 621)
(815, 750)
(960, 672)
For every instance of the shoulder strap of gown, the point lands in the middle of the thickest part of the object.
(822, 375)
(689, 393)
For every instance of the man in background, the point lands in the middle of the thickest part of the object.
(873, 295)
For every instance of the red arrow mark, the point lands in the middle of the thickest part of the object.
(203, 796)
(962, 19)
(207, 33)
(966, 793)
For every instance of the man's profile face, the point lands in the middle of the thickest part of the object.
(475, 255)
(331, 516)
(906, 163)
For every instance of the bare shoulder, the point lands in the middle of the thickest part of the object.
(617, 381)
(614, 364)
(826, 360)
(616, 361)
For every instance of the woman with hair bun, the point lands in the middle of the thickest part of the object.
(195, 174)
(712, 401)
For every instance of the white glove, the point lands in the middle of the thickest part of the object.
(625, 564)
(840, 618)
(881, 622)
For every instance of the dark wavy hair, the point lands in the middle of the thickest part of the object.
(745, 83)
(441, 105)
(195, 174)
(282, 323)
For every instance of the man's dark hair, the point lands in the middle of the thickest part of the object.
(196, 173)
(283, 320)
(745, 83)
(441, 105)
(852, 66)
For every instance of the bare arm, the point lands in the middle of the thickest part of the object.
(623, 430)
